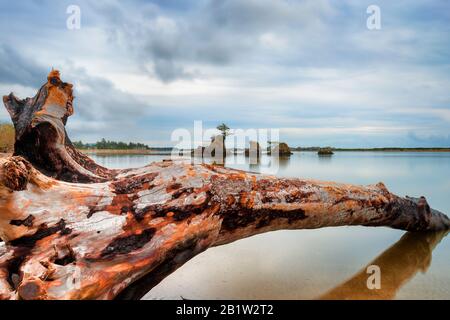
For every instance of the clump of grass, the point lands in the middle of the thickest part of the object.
(7, 138)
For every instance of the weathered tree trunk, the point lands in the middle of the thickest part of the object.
(41, 135)
(75, 230)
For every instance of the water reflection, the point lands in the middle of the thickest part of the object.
(284, 162)
(294, 271)
(398, 265)
(325, 158)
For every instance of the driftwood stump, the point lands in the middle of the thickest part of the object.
(75, 230)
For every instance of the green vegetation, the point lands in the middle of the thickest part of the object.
(224, 129)
(111, 145)
(7, 137)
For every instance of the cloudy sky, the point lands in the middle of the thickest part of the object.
(310, 68)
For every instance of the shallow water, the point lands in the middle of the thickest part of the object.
(330, 262)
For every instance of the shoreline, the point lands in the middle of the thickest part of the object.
(419, 150)
(122, 152)
(156, 152)
(159, 153)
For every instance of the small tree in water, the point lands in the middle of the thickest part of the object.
(218, 143)
(224, 129)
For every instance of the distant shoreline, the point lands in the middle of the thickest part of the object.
(375, 149)
(168, 152)
(165, 153)
(124, 152)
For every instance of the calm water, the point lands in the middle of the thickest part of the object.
(329, 262)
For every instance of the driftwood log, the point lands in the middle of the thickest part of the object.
(75, 230)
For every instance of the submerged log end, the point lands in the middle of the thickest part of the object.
(415, 214)
(433, 219)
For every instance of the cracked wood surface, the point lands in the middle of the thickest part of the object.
(75, 230)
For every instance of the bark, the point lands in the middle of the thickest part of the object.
(75, 230)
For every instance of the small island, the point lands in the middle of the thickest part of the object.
(282, 149)
(325, 151)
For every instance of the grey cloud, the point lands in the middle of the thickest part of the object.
(217, 33)
(262, 15)
(168, 71)
(257, 83)
(14, 68)
(100, 100)
(99, 107)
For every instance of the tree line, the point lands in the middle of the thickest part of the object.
(111, 145)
